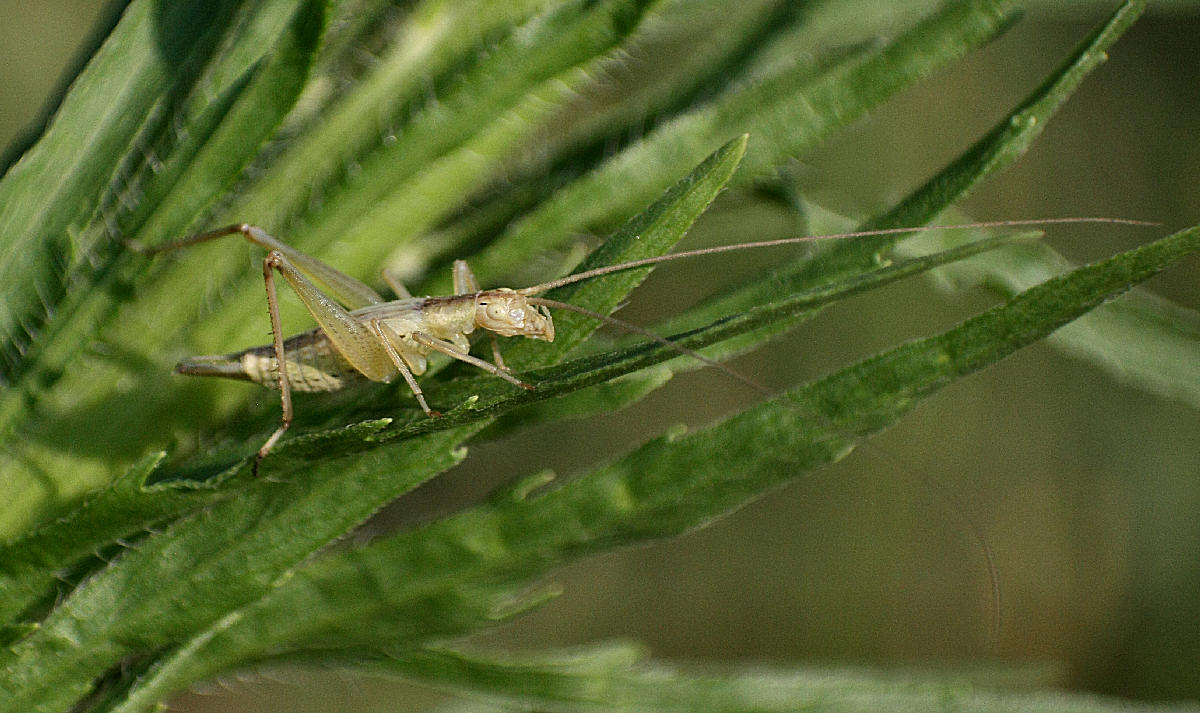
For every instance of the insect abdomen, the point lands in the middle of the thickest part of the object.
(312, 365)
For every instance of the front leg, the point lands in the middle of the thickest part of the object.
(452, 351)
(390, 339)
(465, 283)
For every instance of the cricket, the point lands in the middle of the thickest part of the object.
(360, 335)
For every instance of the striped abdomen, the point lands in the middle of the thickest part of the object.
(313, 364)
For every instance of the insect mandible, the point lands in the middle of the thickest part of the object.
(362, 335)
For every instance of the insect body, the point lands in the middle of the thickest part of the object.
(408, 329)
(362, 336)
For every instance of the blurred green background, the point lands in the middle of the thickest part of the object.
(1086, 490)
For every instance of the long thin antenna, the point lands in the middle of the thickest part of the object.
(954, 504)
(589, 274)
(630, 327)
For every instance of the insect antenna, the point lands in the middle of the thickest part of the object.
(952, 503)
(642, 331)
(632, 264)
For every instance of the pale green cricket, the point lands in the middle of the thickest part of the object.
(360, 335)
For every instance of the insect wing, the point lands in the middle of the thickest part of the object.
(351, 337)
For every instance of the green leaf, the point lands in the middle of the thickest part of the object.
(205, 298)
(177, 175)
(998, 149)
(785, 115)
(115, 596)
(613, 678)
(457, 146)
(1013, 135)
(654, 231)
(216, 560)
(489, 117)
(463, 573)
(47, 199)
(29, 564)
(242, 546)
(727, 335)
(436, 35)
(210, 163)
(1140, 339)
(716, 335)
(606, 397)
(1143, 340)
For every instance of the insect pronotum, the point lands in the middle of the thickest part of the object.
(360, 334)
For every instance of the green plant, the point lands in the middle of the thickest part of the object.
(128, 575)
